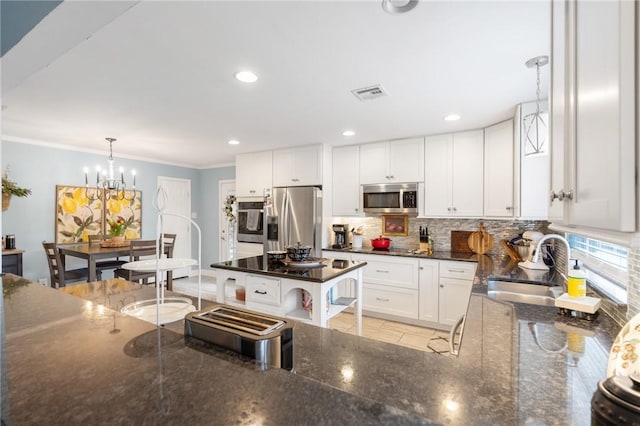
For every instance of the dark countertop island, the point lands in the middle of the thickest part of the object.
(75, 361)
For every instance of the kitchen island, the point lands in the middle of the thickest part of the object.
(302, 291)
(76, 361)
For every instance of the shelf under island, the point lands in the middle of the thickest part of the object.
(304, 293)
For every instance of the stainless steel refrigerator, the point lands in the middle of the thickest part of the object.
(295, 215)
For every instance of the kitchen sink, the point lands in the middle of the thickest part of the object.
(532, 294)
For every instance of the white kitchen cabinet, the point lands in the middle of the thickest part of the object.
(253, 174)
(343, 288)
(454, 174)
(301, 166)
(428, 278)
(596, 111)
(345, 181)
(498, 170)
(390, 271)
(262, 290)
(392, 162)
(390, 285)
(455, 281)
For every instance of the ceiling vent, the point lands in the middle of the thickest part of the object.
(368, 93)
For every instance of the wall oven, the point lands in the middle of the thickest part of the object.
(393, 198)
(250, 221)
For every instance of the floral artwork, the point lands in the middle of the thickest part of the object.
(80, 213)
(77, 216)
(127, 211)
(395, 225)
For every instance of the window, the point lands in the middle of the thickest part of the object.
(606, 265)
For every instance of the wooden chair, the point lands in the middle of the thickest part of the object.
(138, 250)
(59, 276)
(102, 265)
(169, 243)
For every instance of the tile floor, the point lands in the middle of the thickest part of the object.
(421, 338)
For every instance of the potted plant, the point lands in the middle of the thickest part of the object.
(10, 188)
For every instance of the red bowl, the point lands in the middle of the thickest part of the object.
(381, 242)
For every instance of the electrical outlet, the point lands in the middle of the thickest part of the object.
(43, 281)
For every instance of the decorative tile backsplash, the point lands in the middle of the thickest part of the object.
(441, 229)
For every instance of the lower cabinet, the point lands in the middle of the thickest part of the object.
(429, 290)
(397, 301)
(263, 290)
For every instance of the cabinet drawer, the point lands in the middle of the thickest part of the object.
(459, 270)
(263, 290)
(398, 302)
(402, 274)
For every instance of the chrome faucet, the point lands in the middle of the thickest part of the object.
(559, 237)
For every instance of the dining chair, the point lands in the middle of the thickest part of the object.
(59, 276)
(169, 244)
(102, 265)
(138, 250)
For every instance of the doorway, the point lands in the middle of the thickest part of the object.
(225, 188)
(178, 202)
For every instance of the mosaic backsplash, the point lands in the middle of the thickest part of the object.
(441, 229)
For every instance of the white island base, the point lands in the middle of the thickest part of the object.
(277, 295)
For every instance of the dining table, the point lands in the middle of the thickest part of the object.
(94, 252)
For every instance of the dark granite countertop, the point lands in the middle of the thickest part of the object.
(75, 361)
(321, 270)
(439, 255)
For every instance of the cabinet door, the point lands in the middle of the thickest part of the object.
(283, 164)
(498, 170)
(253, 173)
(604, 154)
(389, 271)
(307, 166)
(559, 111)
(428, 275)
(467, 175)
(406, 160)
(374, 163)
(453, 299)
(437, 175)
(345, 181)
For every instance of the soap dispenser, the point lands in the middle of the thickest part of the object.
(577, 281)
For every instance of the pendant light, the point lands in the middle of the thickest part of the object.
(535, 125)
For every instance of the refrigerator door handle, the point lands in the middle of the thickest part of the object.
(286, 234)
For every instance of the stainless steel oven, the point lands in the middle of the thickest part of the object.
(250, 221)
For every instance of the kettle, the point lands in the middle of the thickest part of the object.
(10, 242)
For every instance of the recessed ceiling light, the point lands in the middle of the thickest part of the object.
(398, 6)
(348, 133)
(246, 77)
(452, 117)
(233, 142)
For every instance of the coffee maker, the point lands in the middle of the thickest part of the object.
(341, 237)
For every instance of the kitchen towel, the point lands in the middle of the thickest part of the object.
(253, 216)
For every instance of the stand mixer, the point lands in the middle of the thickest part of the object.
(533, 237)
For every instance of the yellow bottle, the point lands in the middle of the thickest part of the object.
(577, 282)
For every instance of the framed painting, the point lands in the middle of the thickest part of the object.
(128, 208)
(395, 225)
(78, 214)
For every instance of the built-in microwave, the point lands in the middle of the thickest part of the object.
(250, 221)
(390, 198)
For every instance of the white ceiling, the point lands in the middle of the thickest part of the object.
(158, 76)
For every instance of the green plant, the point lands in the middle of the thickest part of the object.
(117, 226)
(11, 188)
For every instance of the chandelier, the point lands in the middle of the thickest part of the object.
(107, 185)
(535, 124)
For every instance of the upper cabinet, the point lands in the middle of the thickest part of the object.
(345, 185)
(454, 174)
(301, 166)
(253, 174)
(392, 162)
(594, 112)
(498, 170)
